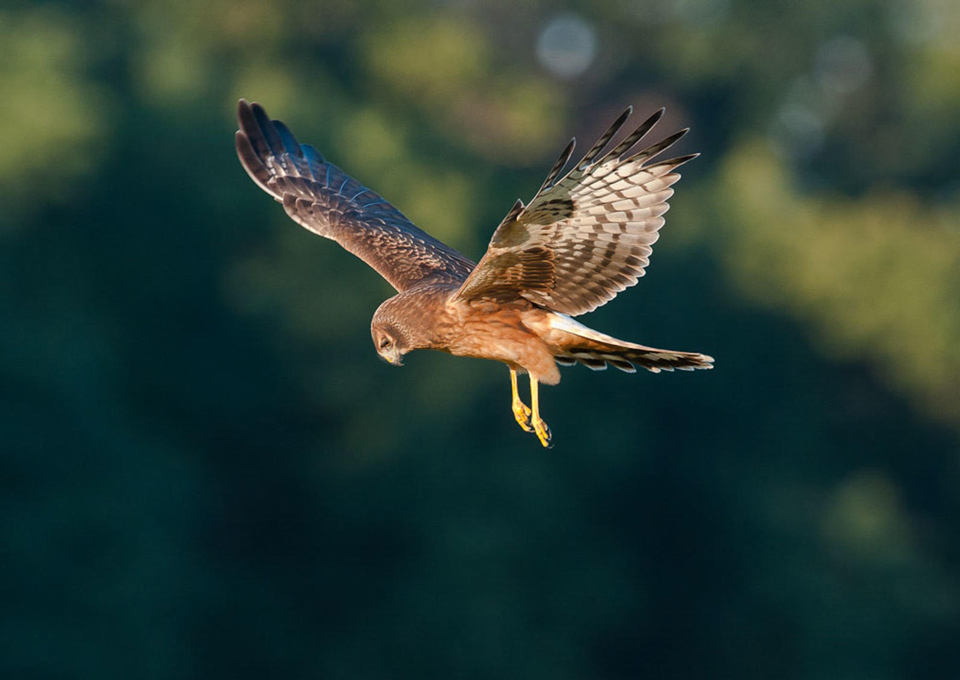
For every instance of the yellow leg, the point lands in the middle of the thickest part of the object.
(540, 427)
(520, 410)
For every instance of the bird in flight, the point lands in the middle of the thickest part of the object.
(584, 237)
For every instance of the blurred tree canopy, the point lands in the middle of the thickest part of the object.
(206, 473)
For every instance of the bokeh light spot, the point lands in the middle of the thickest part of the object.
(567, 46)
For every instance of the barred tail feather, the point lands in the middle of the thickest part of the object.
(596, 351)
(630, 357)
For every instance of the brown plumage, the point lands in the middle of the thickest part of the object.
(585, 236)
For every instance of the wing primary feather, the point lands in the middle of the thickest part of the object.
(251, 128)
(252, 164)
(636, 135)
(604, 139)
(293, 150)
(675, 162)
(270, 135)
(559, 165)
(659, 147)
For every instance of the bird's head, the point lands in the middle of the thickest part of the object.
(398, 327)
(390, 342)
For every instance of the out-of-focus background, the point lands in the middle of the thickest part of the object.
(207, 473)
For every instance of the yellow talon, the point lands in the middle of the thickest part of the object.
(521, 411)
(540, 427)
(543, 433)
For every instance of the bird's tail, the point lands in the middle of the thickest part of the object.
(596, 350)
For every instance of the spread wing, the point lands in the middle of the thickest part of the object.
(587, 235)
(320, 197)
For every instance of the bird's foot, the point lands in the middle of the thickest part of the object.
(522, 413)
(543, 432)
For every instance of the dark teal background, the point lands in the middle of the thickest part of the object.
(206, 472)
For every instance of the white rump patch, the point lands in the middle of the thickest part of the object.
(562, 322)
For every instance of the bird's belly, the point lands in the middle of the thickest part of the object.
(500, 346)
(518, 348)
(490, 330)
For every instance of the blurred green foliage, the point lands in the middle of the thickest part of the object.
(205, 471)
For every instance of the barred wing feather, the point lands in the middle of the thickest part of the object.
(587, 235)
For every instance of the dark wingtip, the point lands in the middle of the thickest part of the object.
(627, 143)
(246, 115)
(675, 137)
(260, 113)
(651, 120)
(659, 147)
(684, 159)
(559, 165)
(244, 110)
(605, 138)
(622, 118)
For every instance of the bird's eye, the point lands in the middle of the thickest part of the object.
(384, 343)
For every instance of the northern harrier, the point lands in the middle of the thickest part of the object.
(584, 237)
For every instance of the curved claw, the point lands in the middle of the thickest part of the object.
(543, 433)
(522, 413)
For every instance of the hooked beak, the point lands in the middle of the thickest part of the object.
(393, 357)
